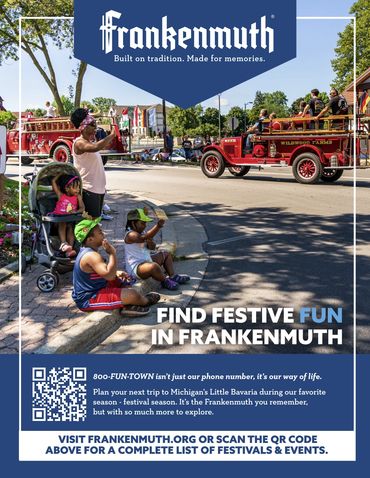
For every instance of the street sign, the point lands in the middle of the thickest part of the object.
(232, 123)
(2, 149)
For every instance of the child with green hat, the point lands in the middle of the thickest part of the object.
(138, 244)
(96, 285)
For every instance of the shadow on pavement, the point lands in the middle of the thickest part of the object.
(305, 260)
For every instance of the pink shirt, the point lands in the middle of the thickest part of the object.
(91, 169)
(66, 205)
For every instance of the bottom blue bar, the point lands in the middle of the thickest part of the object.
(326, 412)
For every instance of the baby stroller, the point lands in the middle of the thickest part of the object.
(42, 201)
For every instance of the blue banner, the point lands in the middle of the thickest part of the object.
(189, 54)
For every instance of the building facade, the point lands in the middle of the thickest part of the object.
(145, 120)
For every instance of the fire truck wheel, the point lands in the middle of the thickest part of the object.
(26, 160)
(307, 168)
(62, 154)
(212, 164)
(331, 175)
(239, 171)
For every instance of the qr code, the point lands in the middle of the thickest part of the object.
(58, 394)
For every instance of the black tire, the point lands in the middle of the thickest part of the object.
(47, 282)
(57, 276)
(212, 164)
(239, 171)
(307, 168)
(331, 175)
(62, 154)
(26, 160)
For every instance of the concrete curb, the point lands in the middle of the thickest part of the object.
(92, 331)
(9, 270)
(83, 336)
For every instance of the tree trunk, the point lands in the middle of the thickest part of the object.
(53, 78)
(53, 87)
(58, 101)
(78, 88)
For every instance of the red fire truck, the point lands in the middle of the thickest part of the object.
(44, 138)
(314, 149)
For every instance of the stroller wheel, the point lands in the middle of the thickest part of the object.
(47, 282)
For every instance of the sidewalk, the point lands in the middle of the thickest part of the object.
(51, 323)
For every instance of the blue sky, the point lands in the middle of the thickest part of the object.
(316, 40)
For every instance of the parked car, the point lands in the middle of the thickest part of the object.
(178, 156)
(158, 154)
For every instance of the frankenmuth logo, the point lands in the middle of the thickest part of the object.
(167, 37)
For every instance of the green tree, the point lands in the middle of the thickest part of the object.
(88, 105)
(241, 116)
(68, 105)
(203, 130)
(103, 104)
(37, 112)
(6, 117)
(210, 116)
(37, 35)
(276, 102)
(343, 62)
(180, 121)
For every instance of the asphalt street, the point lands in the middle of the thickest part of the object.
(272, 242)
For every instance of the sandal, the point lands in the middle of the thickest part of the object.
(67, 249)
(128, 281)
(170, 284)
(181, 278)
(153, 298)
(135, 311)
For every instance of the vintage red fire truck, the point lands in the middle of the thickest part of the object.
(315, 150)
(44, 138)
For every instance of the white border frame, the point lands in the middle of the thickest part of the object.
(353, 18)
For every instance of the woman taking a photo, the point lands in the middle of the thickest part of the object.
(88, 161)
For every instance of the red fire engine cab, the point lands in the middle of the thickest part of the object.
(43, 138)
(314, 149)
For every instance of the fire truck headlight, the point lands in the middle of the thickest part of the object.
(334, 161)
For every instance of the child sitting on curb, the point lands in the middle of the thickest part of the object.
(138, 245)
(96, 284)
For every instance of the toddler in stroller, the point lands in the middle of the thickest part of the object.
(43, 204)
(68, 190)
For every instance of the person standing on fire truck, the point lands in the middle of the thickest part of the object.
(88, 161)
(50, 110)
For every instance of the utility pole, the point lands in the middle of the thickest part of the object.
(164, 123)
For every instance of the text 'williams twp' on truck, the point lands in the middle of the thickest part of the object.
(316, 150)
